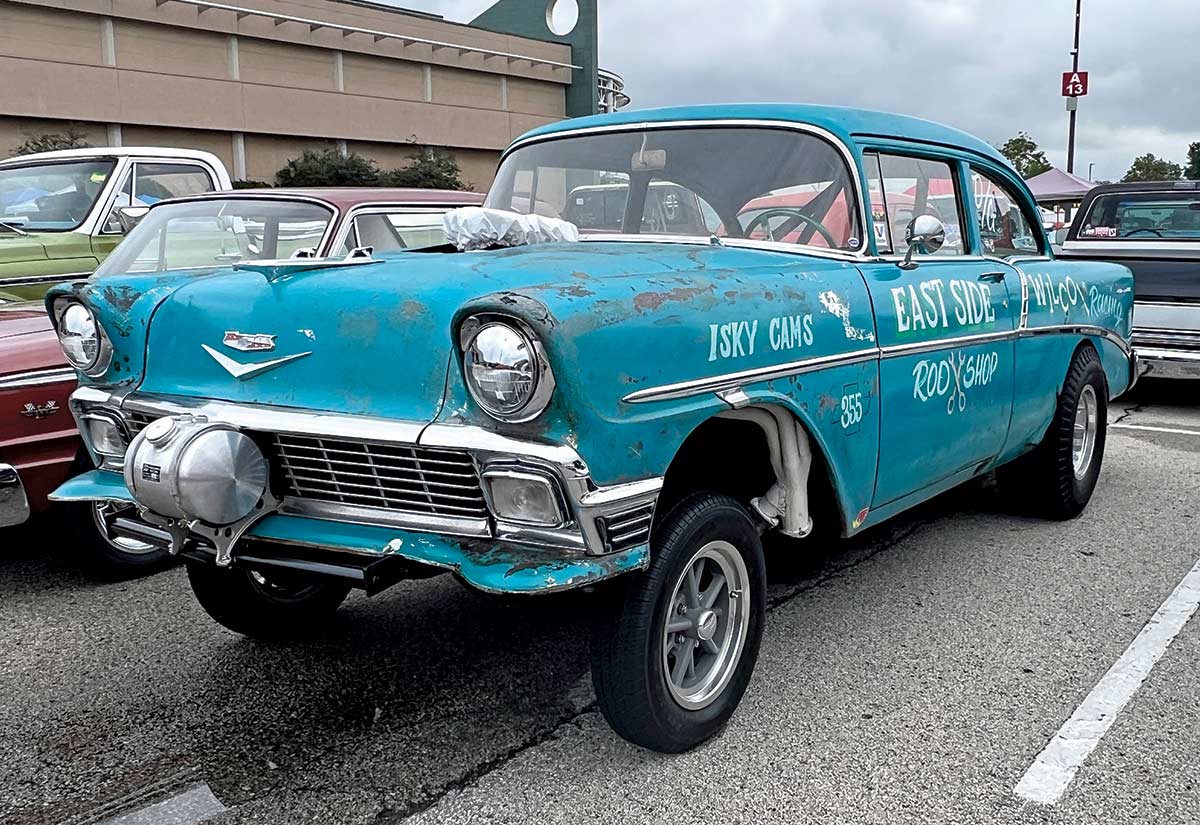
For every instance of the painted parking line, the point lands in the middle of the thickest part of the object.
(1057, 764)
(195, 804)
(1153, 429)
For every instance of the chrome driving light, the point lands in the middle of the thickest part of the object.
(82, 338)
(187, 467)
(506, 369)
(522, 497)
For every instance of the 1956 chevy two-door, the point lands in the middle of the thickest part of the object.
(551, 416)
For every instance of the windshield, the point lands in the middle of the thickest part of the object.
(219, 232)
(51, 196)
(1143, 216)
(757, 183)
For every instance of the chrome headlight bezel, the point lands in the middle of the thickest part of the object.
(541, 377)
(99, 363)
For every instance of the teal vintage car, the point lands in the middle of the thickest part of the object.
(886, 322)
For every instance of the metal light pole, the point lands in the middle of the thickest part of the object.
(1074, 101)
(1090, 166)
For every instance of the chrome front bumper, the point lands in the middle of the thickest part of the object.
(601, 519)
(14, 505)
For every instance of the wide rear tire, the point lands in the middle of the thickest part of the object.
(673, 663)
(1058, 478)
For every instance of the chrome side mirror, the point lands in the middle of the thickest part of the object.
(131, 216)
(925, 234)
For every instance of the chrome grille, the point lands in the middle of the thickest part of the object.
(630, 528)
(136, 421)
(387, 476)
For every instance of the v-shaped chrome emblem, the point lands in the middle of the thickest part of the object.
(244, 371)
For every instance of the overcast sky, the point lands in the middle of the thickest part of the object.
(991, 67)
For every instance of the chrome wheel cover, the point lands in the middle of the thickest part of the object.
(1087, 425)
(100, 511)
(706, 626)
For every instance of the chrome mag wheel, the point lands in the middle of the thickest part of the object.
(1087, 424)
(707, 625)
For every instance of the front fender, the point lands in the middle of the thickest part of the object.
(613, 342)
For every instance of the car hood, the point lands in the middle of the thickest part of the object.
(15, 249)
(373, 339)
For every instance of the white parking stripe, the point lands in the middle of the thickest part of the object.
(195, 804)
(1149, 428)
(1055, 767)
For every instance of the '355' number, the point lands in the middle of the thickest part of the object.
(852, 410)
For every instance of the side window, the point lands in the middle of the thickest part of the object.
(879, 216)
(154, 182)
(1003, 226)
(919, 186)
(672, 209)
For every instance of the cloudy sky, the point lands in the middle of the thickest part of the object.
(991, 67)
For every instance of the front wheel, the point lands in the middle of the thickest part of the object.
(674, 667)
(275, 605)
(1058, 478)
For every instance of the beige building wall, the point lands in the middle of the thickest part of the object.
(257, 91)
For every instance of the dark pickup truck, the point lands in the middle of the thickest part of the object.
(1153, 228)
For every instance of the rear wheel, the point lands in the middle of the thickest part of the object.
(274, 605)
(673, 666)
(1058, 478)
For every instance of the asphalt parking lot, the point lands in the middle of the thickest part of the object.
(913, 674)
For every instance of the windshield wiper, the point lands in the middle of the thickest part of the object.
(13, 227)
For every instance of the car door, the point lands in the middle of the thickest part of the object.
(944, 331)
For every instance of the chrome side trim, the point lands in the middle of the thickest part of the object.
(39, 280)
(1080, 329)
(736, 380)
(37, 378)
(728, 123)
(735, 243)
(917, 347)
(730, 380)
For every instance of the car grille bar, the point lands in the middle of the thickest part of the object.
(387, 476)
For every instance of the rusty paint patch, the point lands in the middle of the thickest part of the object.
(412, 309)
(827, 403)
(575, 291)
(650, 301)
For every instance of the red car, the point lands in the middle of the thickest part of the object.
(39, 443)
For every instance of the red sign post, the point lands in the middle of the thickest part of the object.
(1074, 84)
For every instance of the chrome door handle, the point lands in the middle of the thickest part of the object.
(992, 277)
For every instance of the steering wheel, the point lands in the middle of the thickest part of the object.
(784, 212)
(1143, 229)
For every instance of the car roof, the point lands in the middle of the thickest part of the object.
(113, 152)
(346, 197)
(846, 123)
(1147, 186)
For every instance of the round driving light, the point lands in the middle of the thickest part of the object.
(506, 372)
(79, 336)
(221, 476)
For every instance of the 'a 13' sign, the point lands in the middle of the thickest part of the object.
(1074, 84)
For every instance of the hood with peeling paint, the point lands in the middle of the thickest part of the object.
(379, 340)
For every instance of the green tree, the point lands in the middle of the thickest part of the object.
(1193, 166)
(1148, 167)
(327, 167)
(72, 137)
(1023, 153)
(430, 169)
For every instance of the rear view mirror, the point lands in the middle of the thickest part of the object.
(649, 160)
(130, 216)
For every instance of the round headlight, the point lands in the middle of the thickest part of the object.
(80, 337)
(506, 372)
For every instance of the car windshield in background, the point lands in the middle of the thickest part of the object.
(753, 183)
(219, 232)
(1143, 216)
(51, 196)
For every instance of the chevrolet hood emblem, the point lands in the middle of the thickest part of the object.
(244, 371)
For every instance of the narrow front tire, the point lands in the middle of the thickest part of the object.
(272, 606)
(673, 665)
